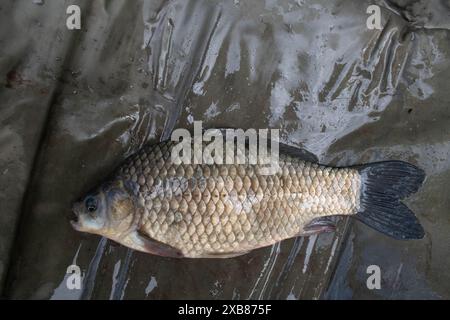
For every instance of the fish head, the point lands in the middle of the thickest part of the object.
(107, 210)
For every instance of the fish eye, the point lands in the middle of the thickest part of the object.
(91, 204)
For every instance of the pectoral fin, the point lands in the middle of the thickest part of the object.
(139, 241)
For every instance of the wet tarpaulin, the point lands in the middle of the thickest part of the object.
(75, 103)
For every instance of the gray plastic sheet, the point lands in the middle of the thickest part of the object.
(75, 103)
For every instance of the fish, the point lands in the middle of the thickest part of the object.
(154, 205)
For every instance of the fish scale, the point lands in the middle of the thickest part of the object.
(202, 209)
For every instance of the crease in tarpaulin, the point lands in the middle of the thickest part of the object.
(333, 250)
(338, 265)
(282, 276)
(144, 126)
(419, 21)
(118, 290)
(309, 250)
(91, 273)
(367, 95)
(395, 9)
(357, 89)
(211, 53)
(55, 93)
(375, 54)
(265, 273)
(174, 74)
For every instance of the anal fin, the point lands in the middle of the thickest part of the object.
(319, 225)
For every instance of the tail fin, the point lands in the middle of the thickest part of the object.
(384, 184)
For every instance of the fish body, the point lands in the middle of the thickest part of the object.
(153, 205)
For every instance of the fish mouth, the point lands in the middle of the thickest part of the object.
(76, 223)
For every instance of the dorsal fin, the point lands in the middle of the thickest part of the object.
(283, 148)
